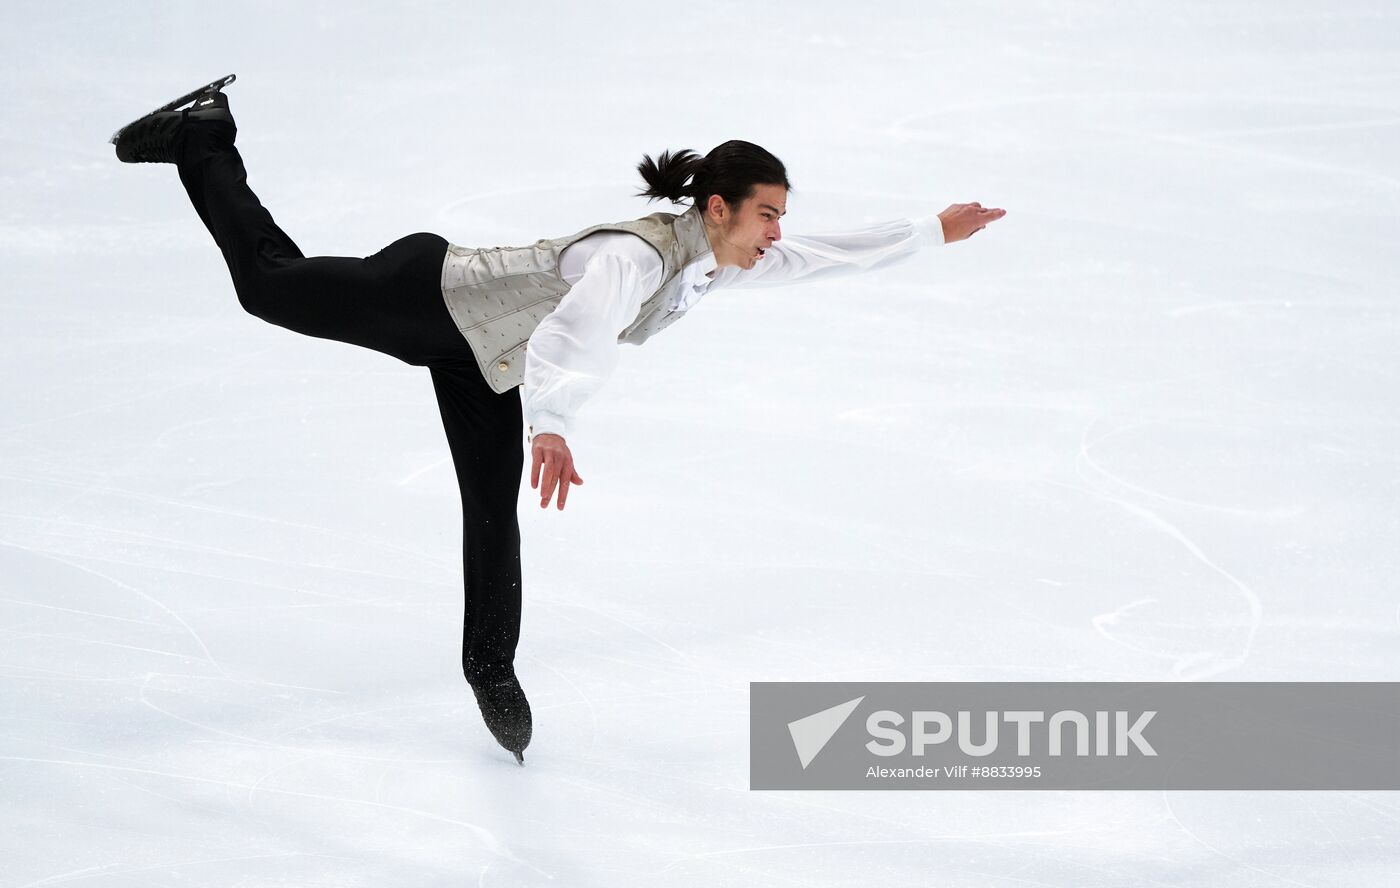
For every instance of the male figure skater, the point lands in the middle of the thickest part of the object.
(506, 330)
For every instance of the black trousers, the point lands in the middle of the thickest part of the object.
(390, 302)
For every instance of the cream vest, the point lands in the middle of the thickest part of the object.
(498, 295)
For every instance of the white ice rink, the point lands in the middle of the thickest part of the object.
(1142, 429)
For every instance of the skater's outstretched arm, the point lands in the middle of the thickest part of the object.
(809, 257)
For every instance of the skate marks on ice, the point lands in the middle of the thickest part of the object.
(1085, 461)
(670, 660)
(15, 562)
(183, 510)
(1188, 664)
(1355, 827)
(58, 752)
(184, 863)
(487, 839)
(176, 687)
(1003, 843)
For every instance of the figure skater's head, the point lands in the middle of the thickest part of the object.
(740, 189)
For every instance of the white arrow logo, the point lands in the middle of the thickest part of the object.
(810, 734)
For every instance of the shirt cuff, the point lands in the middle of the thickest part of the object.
(546, 423)
(930, 230)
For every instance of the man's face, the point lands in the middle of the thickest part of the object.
(741, 234)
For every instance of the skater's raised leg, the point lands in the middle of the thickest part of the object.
(212, 171)
(390, 302)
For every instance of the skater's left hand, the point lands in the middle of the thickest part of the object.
(551, 453)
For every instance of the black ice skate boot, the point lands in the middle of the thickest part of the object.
(151, 139)
(506, 712)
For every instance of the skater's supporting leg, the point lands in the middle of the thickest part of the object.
(390, 302)
(484, 432)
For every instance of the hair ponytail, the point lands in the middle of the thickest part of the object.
(667, 176)
(730, 170)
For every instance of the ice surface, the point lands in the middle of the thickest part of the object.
(1144, 428)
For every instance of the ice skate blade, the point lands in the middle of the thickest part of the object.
(190, 96)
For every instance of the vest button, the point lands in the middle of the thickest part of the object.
(503, 366)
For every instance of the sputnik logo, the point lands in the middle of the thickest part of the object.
(811, 733)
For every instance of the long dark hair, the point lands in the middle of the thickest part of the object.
(730, 170)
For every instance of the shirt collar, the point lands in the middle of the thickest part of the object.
(704, 265)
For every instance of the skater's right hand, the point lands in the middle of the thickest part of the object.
(553, 454)
(962, 221)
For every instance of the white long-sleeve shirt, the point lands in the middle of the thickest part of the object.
(574, 349)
